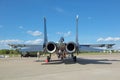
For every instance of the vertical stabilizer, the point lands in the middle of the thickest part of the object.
(77, 43)
(77, 17)
(45, 33)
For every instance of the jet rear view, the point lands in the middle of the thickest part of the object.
(61, 49)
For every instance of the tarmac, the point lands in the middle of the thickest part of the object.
(87, 67)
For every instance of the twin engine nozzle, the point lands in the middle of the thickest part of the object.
(51, 47)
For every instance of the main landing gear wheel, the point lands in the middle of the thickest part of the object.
(48, 58)
(74, 58)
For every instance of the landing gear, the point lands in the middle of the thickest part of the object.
(48, 58)
(74, 58)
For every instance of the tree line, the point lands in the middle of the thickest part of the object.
(6, 51)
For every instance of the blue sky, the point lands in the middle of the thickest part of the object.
(21, 21)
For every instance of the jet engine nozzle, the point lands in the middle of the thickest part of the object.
(51, 47)
(71, 47)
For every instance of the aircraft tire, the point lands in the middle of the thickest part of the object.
(48, 58)
(74, 58)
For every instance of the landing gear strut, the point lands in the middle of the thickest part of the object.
(74, 58)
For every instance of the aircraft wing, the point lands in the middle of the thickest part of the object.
(16, 45)
(97, 45)
(27, 47)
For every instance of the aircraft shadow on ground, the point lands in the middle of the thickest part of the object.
(93, 61)
(81, 61)
(88, 61)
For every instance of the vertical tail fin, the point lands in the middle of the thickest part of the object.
(77, 43)
(77, 29)
(45, 33)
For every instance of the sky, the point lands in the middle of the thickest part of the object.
(21, 21)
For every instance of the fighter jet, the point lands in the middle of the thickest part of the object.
(61, 48)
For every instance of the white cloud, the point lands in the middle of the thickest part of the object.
(100, 39)
(4, 43)
(37, 41)
(66, 34)
(10, 41)
(60, 33)
(34, 33)
(17, 41)
(109, 39)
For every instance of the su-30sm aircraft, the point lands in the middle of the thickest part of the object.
(61, 48)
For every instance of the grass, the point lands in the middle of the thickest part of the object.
(11, 55)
